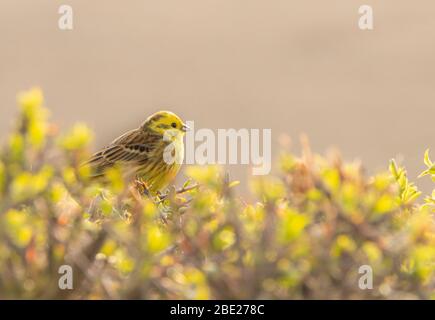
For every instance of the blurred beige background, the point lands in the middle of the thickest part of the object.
(293, 66)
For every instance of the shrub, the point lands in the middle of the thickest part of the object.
(306, 236)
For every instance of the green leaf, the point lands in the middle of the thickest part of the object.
(393, 168)
(427, 160)
(187, 183)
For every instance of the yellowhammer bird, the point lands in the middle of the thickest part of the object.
(152, 153)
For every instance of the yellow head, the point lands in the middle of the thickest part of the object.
(162, 121)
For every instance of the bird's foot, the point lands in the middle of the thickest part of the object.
(142, 187)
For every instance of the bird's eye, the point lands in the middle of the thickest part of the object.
(174, 125)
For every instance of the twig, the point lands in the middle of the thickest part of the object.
(179, 191)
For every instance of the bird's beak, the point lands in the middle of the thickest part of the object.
(185, 127)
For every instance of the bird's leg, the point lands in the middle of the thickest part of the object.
(158, 196)
(144, 189)
(142, 186)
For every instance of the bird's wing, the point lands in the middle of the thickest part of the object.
(125, 153)
(131, 147)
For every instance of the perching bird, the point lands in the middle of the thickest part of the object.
(152, 153)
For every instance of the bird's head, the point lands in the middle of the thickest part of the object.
(162, 121)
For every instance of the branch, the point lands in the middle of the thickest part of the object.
(179, 191)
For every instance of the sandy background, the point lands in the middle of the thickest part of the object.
(293, 66)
